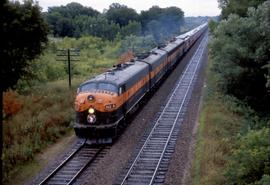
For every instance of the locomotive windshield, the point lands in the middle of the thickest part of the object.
(98, 86)
(88, 87)
(107, 87)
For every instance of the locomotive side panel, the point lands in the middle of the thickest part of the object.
(136, 87)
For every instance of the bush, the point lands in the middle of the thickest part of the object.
(250, 162)
(43, 117)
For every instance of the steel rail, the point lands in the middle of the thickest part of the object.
(62, 164)
(86, 165)
(163, 112)
(190, 83)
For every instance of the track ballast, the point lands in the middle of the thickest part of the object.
(71, 168)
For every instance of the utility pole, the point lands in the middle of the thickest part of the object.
(68, 55)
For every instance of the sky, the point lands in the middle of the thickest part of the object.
(190, 7)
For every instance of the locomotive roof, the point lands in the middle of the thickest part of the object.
(119, 75)
(173, 45)
(155, 55)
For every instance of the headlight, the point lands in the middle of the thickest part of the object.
(110, 106)
(91, 110)
(91, 118)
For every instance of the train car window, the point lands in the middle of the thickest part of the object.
(88, 87)
(107, 87)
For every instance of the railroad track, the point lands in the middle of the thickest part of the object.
(71, 168)
(151, 162)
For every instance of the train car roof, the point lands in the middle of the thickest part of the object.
(170, 46)
(191, 32)
(119, 75)
(155, 54)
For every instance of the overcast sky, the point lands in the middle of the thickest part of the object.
(190, 7)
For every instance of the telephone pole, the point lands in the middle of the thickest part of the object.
(68, 55)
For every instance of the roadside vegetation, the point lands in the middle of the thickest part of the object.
(234, 135)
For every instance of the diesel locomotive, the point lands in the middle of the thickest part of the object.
(104, 101)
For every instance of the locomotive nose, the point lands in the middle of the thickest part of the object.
(102, 102)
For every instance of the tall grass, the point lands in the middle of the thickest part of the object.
(221, 119)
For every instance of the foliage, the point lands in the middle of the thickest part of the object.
(97, 26)
(239, 7)
(225, 122)
(162, 23)
(137, 44)
(239, 61)
(95, 55)
(61, 18)
(121, 14)
(212, 25)
(24, 36)
(133, 28)
(36, 124)
(11, 104)
(251, 159)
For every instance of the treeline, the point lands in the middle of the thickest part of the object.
(240, 57)
(75, 20)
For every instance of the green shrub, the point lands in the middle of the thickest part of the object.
(251, 160)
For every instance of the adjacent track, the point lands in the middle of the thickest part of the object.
(147, 167)
(70, 169)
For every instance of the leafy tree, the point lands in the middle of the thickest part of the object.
(121, 14)
(239, 7)
(133, 28)
(212, 25)
(61, 19)
(240, 52)
(72, 10)
(97, 26)
(24, 37)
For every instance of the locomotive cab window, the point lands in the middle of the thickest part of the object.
(107, 87)
(88, 87)
(120, 90)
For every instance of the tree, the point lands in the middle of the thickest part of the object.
(24, 37)
(121, 14)
(238, 7)
(240, 51)
(61, 18)
(133, 28)
(250, 162)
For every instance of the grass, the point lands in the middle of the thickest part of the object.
(219, 124)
